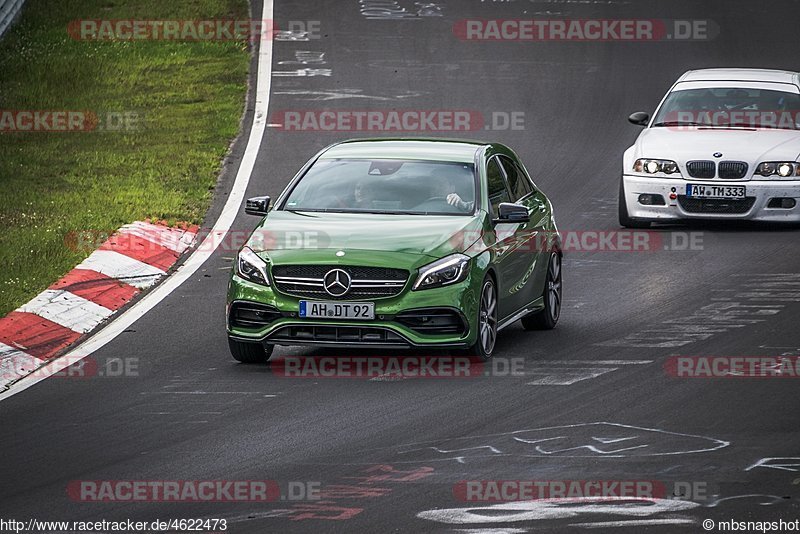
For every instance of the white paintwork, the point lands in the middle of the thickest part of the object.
(744, 75)
(203, 251)
(15, 363)
(565, 376)
(685, 144)
(793, 465)
(634, 523)
(126, 269)
(67, 309)
(554, 509)
(685, 86)
(716, 318)
(501, 445)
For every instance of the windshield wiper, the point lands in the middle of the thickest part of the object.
(680, 123)
(312, 210)
(375, 212)
(757, 126)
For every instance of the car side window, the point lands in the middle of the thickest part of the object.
(496, 185)
(517, 181)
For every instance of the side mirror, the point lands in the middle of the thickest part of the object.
(257, 206)
(508, 212)
(640, 118)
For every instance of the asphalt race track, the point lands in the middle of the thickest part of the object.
(594, 401)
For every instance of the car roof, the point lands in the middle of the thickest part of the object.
(743, 75)
(450, 150)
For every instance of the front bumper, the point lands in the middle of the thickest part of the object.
(759, 193)
(385, 331)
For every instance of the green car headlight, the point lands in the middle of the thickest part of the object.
(448, 270)
(252, 268)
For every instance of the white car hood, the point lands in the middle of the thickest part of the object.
(751, 146)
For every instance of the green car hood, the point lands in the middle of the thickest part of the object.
(370, 239)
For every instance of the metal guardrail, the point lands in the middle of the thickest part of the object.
(8, 11)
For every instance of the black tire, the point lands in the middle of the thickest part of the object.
(547, 318)
(487, 322)
(245, 352)
(622, 209)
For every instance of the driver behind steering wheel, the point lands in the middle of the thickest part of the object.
(445, 187)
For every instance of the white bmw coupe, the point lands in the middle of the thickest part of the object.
(723, 144)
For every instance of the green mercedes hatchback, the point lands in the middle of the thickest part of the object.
(397, 243)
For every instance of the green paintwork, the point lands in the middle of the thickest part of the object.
(408, 242)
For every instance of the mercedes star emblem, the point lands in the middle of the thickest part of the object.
(337, 282)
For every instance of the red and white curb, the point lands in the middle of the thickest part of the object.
(131, 260)
(203, 251)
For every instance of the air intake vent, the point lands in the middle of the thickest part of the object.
(713, 205)
(732, 170)
(328, 334)
(252, 315)
(365, 282)
(433, 321)
(701, 169)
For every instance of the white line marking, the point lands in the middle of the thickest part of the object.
(67, 309)
(765, 462)
(634, 523)
(566, 376)
(612, 440)
(204, 250)
(126, 269)
(555, 509)
(425, 445)
(769, 501)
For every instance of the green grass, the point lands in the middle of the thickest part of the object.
(189, 97)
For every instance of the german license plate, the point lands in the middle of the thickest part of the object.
(337, 310)
(727, 192)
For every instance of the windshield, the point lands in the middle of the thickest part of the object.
(731, 107)
(385, 186)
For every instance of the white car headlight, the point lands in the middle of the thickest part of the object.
(448, 270)
(781, 169)
(252, 268)
(656, 166)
